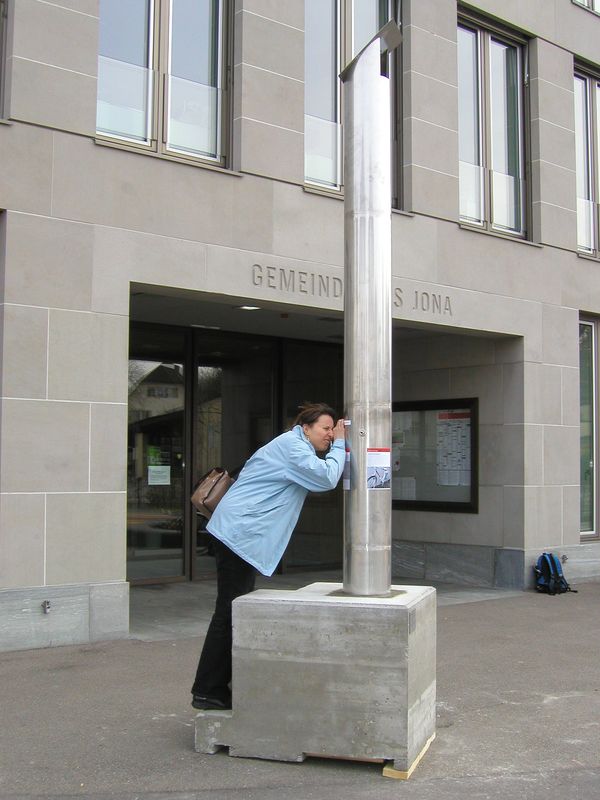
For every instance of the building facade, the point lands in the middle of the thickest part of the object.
(171, 251)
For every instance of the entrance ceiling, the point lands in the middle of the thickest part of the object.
(178, 307)
(186, 309)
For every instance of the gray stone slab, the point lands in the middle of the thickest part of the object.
(408, 559)
(24, 625)
(463, 564)
(318, 673)
(77, 614)
(508, 568)
(109, 611)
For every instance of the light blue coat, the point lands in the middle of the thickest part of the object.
(256, 517)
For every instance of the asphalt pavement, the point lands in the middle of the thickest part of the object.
(518, 711)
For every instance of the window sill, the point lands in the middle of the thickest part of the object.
(589, 257)
(497, 235)
(337, 194)
(191, 162)
(309, 188)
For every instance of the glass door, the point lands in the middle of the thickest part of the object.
(210, 398)
(156, 461)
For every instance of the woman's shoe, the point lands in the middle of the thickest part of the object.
(207, 703)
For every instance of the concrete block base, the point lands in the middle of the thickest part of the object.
(320, 673)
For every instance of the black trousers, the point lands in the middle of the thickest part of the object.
(235, 577)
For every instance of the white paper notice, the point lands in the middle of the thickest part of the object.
(408, 489)
(379, 468)
(454, 448)
(159, 476)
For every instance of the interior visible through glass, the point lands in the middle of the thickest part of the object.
(587, 426)
(155, 469)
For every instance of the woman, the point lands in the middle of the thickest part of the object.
(252, 526)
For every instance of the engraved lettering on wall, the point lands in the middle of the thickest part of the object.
(432, 303)
(296, 281)
(289, 280)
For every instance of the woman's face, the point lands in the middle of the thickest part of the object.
(320, 433)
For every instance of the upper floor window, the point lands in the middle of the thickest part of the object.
(366, 18)
(335, 31)
(587, 155)
(491, 131)
(3, 56)
(161, 75)
(594, 5)
(322, 130)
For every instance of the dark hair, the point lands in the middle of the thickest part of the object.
(310, 413)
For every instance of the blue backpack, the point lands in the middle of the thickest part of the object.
(549, 576)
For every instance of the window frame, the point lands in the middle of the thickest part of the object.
(592, 100)
(459, 507)
(589, 5)
(344, 42)
(314, 183)
(150, 143)
(3, 55)
(486, 33)
(593, 324)
(166, 48)
(159, 62)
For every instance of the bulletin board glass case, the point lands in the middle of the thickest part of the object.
(434, 455)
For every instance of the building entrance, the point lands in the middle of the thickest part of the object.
(202, 398)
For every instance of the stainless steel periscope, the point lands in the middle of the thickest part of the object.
(368, 317)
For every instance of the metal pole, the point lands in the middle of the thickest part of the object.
(368, 318)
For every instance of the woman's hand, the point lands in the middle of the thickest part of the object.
(339, 430)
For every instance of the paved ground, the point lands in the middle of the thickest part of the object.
(518, 712)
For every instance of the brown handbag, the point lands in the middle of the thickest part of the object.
(210, 490)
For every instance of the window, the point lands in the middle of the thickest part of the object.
(161, 75)
(125, 75)
(3, 56)
(491, 130)
(587, 153)
(593, 5)
(162, 391)
(335, 31)
(366, 18)
(434, 455)
(322, 132)
(588, 409)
